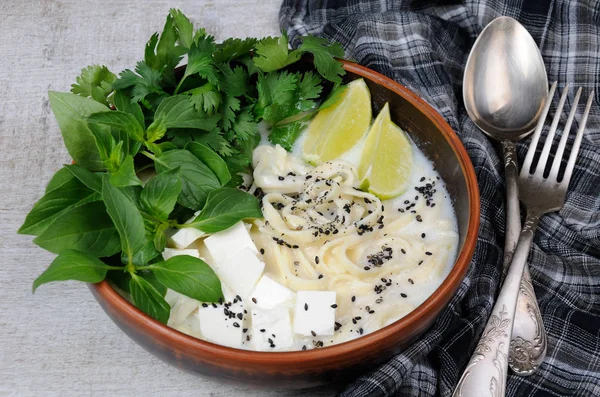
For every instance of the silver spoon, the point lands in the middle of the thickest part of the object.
(504, 90)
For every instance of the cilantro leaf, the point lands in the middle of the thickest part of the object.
(309, 88)
(234, 81)
(286, 135)
(245, 126)
(168, 53)
(233, 48)
(324, 52)
(94, 82)
(216, 141)
(142, 84)
(184, 27)
(276, 96)
(230, 106)
(200, 61)
(205, 98)
(272, 53)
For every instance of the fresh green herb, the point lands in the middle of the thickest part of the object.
(195, 127)
(86, 227)
(148, 298)
(189, 276)
(224, 208)
(74, 265)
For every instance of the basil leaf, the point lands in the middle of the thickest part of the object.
(160, 194)
(88, 178)
(160, 239)
(189, 276)
(69, 193)
(120, 120)
(224, 208)
(211, 159)
(178, 112)
(124, 104)
(85, 228)
(197, 179)
(125, 175)
(126, 217)
(73, 265)
(146, 253)
(148, 299)
(59, 178)
(105, 142)
(120, 278)
(71, 111)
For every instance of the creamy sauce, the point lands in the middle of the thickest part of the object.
(383, 259)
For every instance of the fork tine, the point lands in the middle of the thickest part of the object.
(563, 140)
(538, 131)
(541, 165)
(577, 142)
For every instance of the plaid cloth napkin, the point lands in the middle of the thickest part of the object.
(424, 45)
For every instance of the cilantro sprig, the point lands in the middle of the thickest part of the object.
(194, 128)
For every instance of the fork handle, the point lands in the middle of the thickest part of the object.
(485, 373)
(529, 342)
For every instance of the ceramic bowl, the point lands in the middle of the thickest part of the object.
(302, 369)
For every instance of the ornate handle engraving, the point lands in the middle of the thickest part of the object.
(485, 374)
(528, 345)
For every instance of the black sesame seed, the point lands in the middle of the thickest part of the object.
(235, 324)
(403, 250)
(334, 306)
(320, 276)
(306, 307)
(360, 331)
(254, 300)
(313, 333)
(263, 330)
(423, 235)
(353, 298)
(317, 260)
(248, 338)
(281, 178)
(403, 295)
(240, 316)
(371, 311)
(304, 346)
(410, 280)
(262, 251)
(245, 330)
(418, 218)
(420, 262)
(204, 305)
(428, 253)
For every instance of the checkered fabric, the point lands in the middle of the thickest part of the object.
(424, 45)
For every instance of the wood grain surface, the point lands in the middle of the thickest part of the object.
(58, 342)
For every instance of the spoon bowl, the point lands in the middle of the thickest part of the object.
(505, 84)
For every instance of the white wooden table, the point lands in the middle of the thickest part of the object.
(59, 342)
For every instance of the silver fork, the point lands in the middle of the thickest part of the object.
(486, 372)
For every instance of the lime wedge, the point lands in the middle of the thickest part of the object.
(338, 128)
(387, 158)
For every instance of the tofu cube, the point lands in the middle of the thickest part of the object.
(181, 307)
(314, 313)
(184, 237)
(241, 272)
(271, 329)
(268, 293)
(228, 242)
(221, 324)
(171, 252)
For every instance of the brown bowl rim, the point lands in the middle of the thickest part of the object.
(191, 344)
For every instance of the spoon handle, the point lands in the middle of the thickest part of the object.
(528, 344)
(485, 374)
